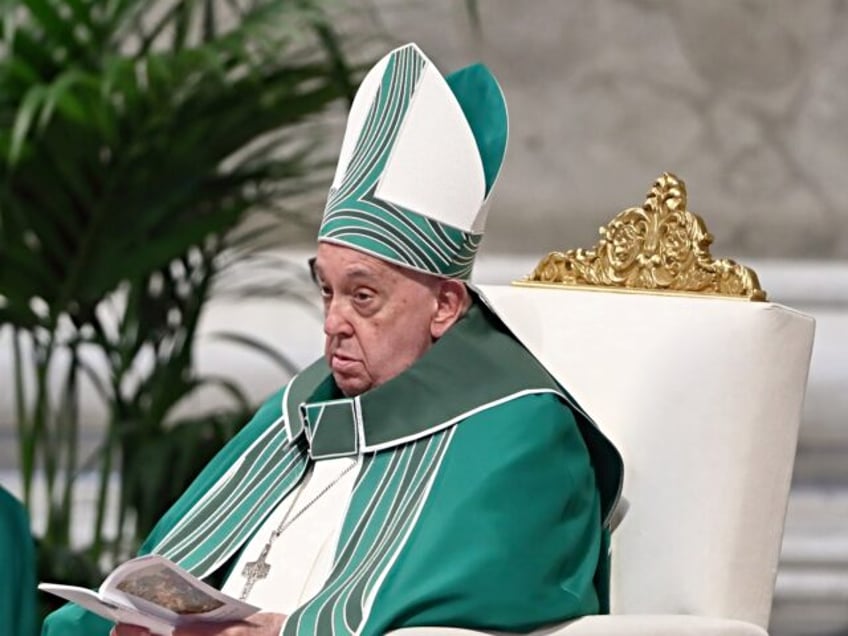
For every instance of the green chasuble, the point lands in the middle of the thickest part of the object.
(481, 501)
(17, 575)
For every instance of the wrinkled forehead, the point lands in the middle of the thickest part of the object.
(341, 263)
(336, 262)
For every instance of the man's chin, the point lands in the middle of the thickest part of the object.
(351, 386)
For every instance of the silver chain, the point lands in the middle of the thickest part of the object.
(259, 569)
(286, 522)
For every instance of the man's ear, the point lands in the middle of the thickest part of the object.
(452, 300)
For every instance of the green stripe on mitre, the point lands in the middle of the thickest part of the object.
(354, 196)
(354, 216)
(404, 238)
(483, 104)
(380, 130)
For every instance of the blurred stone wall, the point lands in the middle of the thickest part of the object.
(747, 101)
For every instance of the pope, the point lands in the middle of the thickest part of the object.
(427, 470)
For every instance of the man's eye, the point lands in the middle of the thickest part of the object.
(362, 296)
(325, 291)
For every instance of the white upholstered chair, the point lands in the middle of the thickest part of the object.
(702, 394)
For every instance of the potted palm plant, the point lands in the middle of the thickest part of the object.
(135, 138)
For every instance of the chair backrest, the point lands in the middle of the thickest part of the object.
(703, 398)
(702, 394)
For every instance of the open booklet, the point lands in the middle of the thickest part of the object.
(152, 592)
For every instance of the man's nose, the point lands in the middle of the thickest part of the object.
(336, 322)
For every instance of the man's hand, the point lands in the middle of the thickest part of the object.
(260, 624)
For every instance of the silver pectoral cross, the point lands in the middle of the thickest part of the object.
(255, 571)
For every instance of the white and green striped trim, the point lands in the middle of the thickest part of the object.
(390, 492)
(228, 514)
(356, 217)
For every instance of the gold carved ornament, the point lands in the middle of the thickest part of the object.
(659, 247)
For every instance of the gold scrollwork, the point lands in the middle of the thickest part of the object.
(659, 247)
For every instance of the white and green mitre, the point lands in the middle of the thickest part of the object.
(420, 155)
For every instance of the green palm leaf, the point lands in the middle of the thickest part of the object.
(135, 138)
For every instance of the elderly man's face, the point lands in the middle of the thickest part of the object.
(378, 318)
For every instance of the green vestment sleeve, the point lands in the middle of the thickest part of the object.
(72, 620)
(17, 576)
(510, 536)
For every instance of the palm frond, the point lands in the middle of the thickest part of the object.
(135, 139)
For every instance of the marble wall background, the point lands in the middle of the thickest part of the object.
(747, 101)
